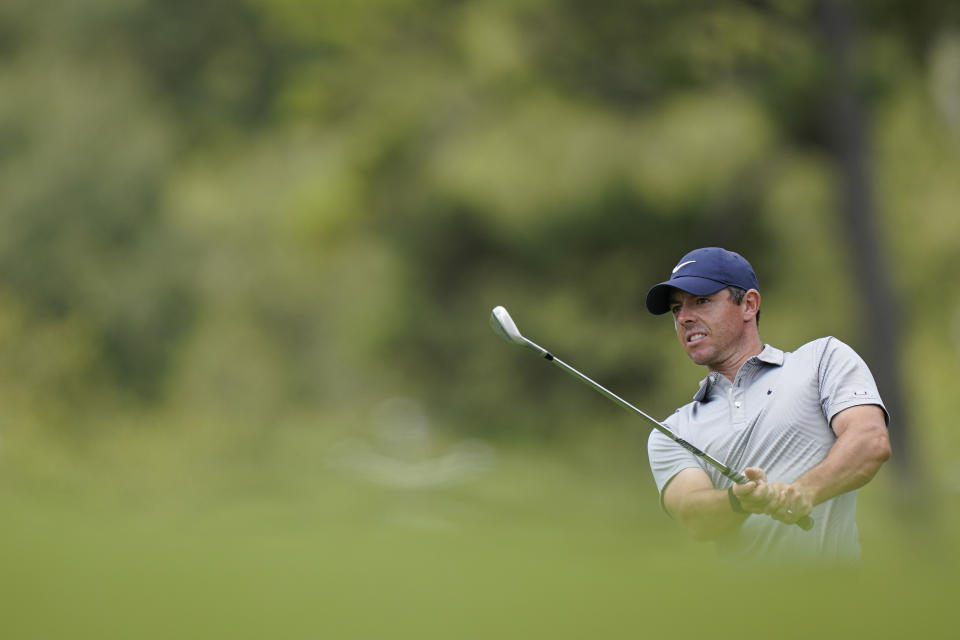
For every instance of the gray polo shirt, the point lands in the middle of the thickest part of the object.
(775, 415)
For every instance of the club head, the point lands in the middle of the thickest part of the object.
(505, 327)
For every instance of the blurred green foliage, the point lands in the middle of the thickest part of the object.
(247, 253)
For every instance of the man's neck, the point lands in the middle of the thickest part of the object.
(730, 369)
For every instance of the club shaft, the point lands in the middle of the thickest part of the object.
(804, 523)
(662, 428)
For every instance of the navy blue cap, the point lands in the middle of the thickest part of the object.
(703, 272)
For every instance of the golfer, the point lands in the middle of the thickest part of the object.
(808, 427)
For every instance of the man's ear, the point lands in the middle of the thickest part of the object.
(750, 304)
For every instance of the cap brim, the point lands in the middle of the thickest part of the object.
(658, 301)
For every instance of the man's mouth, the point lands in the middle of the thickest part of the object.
(695, 337)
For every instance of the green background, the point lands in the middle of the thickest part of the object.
(248, 251)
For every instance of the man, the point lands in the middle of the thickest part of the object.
(808, 426)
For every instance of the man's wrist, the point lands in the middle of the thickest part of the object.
(735, 501)
(810, 493)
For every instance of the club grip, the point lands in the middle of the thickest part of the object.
(805, 523)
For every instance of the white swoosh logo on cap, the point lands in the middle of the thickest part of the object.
(682, 265)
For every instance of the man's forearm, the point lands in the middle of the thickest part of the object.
(861, 448)
(707, 514)
(704, 512)
(852, 462)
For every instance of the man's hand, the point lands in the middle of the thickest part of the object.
(757, 495)
(795, 502)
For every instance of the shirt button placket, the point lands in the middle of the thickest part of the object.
(739, 413)
(737, 395)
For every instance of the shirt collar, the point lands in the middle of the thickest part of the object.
(770, 355)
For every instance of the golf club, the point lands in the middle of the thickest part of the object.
(506, 328)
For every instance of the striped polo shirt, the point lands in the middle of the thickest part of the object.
(775, 415)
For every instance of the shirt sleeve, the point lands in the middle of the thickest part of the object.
(667, 458)
(845, 380)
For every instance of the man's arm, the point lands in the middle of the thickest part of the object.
(862, 446)
(706, 512)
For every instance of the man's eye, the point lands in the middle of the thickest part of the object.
(702, 300)
(675, 309)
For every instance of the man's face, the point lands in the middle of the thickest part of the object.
(711, 328)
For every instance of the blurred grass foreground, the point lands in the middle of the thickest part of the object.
(247, 253)
(401, 533)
